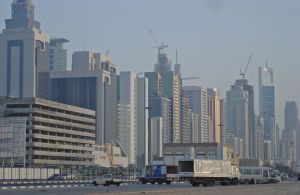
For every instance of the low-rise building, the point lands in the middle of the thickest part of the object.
(57, 135)
(173, 152)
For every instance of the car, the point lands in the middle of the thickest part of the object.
(106, 180)
(284, 176)
(298, 177)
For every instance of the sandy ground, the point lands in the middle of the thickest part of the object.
(288, 188)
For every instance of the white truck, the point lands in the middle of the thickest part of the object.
(107, 180)
(208, 172)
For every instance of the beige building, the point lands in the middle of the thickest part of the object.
(57, 134)
(172, 153)
(214, 115)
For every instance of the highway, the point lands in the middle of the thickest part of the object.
(290, 187)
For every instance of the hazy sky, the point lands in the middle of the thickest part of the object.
(214, 38)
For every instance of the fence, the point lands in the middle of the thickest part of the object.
(8, 173)
(83, 173)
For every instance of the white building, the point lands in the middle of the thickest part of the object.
(142, 122)
(132, 117)
(24, 54)
(198, 104)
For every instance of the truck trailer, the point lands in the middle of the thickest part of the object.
(160, 174)
(208, 172)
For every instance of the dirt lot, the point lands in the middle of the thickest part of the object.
(286, 188)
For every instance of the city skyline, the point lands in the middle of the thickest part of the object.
(265, 29)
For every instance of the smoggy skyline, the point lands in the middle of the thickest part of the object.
(214, 38)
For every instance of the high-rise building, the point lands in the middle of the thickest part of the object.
(127, 112)
(133, 117)
(260, 137)
(213, 115)
(160, 106)
(142, 123)
(291, 115)
(185, 119)
(237, 99)
(168, 83)
(198, 104)
(58, 54)
(291, 131)
(267, 105)
(24, 54)
(156, 142)
(223, 118)
(91, 84)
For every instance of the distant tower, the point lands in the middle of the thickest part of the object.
(198, 104)
(58, 55)
(24, 54)
(290, 115)
(177, 66)
(163, 63)
(237, 99)
(267, 105)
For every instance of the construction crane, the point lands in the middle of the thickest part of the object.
(161, 47)
(190, 78)
(243, 73)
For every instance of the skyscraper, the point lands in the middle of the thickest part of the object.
(91, 84)
(213, 115)
(127, 129)
(237, 99)
(185, 119)
(291, 115)
(58, 54)
(198, 104)
(142, 133)
(24, 56)
(161, 106)
(267, 105)
(133, 117)
(168, 83)
(223, 118)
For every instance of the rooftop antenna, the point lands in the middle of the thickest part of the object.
(267, 62)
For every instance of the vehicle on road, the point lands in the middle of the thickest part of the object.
(257, 174)
(208, 172)
(298, 178)
(106, 180)
(160, 174)
(73, 176)
(284, 176)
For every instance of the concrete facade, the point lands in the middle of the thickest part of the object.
(92, 84)
(57, 134)
(24, 56)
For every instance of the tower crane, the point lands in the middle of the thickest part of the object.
(161, 46)
(243, 73)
